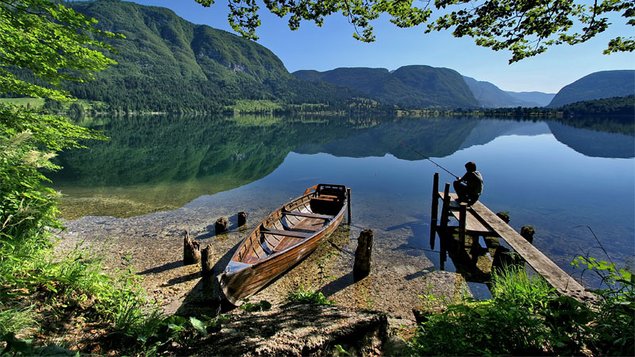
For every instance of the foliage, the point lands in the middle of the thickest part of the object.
(303, 296)
(526, 316)
(615, 320)
(50, 42)
(526, 28)
(262, 305)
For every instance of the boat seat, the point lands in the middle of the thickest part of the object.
(279, 232)
(308, 215)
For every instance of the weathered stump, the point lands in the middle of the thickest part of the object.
(221, 225)
(207, 261)
(528, 233)
(504, 258)
(504, 216)
(191, 250)
(242, 218)
(361, 268)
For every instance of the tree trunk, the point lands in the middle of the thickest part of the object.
(207, 261)
(221, 225)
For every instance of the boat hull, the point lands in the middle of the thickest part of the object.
(243, 278)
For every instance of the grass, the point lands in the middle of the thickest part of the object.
(304, 296)
(34, 103)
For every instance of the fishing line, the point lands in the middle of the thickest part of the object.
(429, 159)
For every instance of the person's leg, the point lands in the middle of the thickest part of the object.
(460, 188)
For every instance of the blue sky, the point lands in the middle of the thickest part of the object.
(333, 46)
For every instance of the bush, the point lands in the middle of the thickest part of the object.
(526, 316)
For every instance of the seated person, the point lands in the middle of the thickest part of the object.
(470, 186)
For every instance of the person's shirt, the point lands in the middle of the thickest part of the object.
(474, 181)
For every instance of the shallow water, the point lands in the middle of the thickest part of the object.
(573, 185)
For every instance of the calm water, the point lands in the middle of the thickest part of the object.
(568, 183)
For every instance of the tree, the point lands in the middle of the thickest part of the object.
(524, 27)
(48, 43)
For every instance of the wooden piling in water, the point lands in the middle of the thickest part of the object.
(348, 194)
(434, 215)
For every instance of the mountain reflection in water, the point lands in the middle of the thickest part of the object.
(560, 179)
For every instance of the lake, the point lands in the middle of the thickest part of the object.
(575, 186)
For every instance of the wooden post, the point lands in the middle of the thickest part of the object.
(207, 262)
(242, 218)
(462, 219)
(528, 233)
(348, 195)
(435, 209)
(221, 225)
(361, 268)
(191, 250)
(445, 211)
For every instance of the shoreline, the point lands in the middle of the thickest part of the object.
(151, 246)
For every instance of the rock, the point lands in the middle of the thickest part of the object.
(299, 330)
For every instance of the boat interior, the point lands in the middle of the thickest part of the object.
(295, 222)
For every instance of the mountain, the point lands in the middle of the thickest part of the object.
(536, 99)
(490, 96)
(598, 85)
(407, 87)
(168, 63)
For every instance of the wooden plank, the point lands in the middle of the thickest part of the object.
(473, 224)
(308, 215)
(544, 266)
(434, 215)
(286, 233)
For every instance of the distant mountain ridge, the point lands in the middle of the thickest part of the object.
(166, 63)
(489, 95)
(414, 86)
(598, 85)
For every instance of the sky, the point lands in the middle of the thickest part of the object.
(332, 46)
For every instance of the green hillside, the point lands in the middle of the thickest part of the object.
(167, 63)
(406, 87)
(598, 85)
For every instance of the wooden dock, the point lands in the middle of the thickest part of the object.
(478, 220)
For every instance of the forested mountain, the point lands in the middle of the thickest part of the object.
(490, 96)
(167, 63)
(539, 99)
(598, 85)
(407, 87)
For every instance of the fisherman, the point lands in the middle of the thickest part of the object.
(470, 186)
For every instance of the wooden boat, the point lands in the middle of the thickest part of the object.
(284, 238)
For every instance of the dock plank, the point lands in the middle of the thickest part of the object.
(544, 266)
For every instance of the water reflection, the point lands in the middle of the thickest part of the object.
(155, 163)
(559, 179)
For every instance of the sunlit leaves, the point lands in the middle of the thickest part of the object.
(523, 27)
(49, 41)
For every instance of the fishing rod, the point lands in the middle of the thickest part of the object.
(429, 159)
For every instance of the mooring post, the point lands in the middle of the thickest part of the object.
(445, 211)
(435, 209)
(242, 218)
(462, 222)
(207, 262)
(361, 267)
(348, 195)
(221, 225)
(191, 250)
